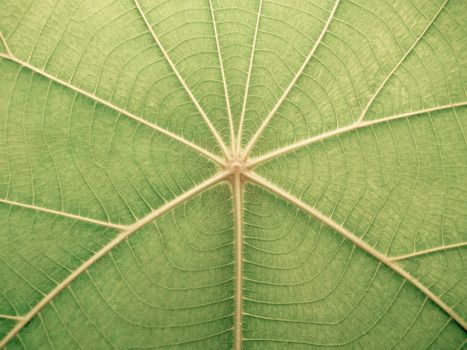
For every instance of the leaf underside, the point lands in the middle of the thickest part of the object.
(211, 174)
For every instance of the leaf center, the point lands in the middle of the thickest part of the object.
(236, 166)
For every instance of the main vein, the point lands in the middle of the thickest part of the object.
(224, 80)
(358, 242)
(182, 81)
(123, 235)
(286, 92)
(248, 79)
(237, 187)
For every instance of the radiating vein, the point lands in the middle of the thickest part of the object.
(429, 251)
(110, 105)
(64, 214)
(224, 80)
(238, 212)
(248, 79)
(391, 73)
(181, 80)
(355, 126)
(123, 235)
(284, 95)
(357, 241)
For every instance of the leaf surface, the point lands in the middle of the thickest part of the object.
(240, 174)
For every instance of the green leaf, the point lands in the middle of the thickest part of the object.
(211, 174)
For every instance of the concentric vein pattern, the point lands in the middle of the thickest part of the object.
(377, 60)
(210, 174)
(308, 286)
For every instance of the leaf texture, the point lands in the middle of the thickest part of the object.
(240, 174)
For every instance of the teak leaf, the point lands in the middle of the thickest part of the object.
(209, 174)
